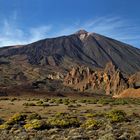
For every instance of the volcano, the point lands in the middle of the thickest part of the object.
(51, 58)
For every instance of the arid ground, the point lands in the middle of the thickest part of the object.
(69, 118)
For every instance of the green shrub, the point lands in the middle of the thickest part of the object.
(4, 98)
(63, 122)
(66, 103)
(33, 116)
(77, 105)
(83, 101)
(39, 103)
(59, 101)
(35, 124)
(13, 99)
(92, 101)
(120, 102)
(89, 115)
(116, 115)
(46, 99)
(72, 101)
(61, 114)
(16, 118)
(91, 123)
(5, 126)
(29, 104)
(52, 101)
(104, 101)
(45, 104)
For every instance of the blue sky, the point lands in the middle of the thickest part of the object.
(26, 21)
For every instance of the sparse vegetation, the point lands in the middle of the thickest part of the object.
(35, 124)
(29, 104)
(16, 118)
(5, 126)
(63, 122)
(116, 115)
(91, 123)
(33, 116)
(64, 117)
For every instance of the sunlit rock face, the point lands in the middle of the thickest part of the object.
(110, 79)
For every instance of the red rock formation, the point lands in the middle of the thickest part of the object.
(110, 80)
(134, 80)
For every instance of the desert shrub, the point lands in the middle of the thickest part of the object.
(34, 99)
(35, 124)
(66, 101)
(13, 99)
(5, 126)
(16, 118)
(63, 122)
(78, 105)
(72, 101)
(92, 101)
(89, 115)
(120, 102)
(46, 99)
(45, 104)
(95, 114)
(104, 101)
(29, 104)
(52, 100)
(82, 101)
(4, 98)
(116, 115)
(39, 103)
(59, 101)
(28, 99)
(91, 123)
(136, 101)
(33, 116)
(62, 115)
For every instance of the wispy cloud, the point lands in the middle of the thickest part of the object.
(12, 34)
(114, 27)
(111, 26)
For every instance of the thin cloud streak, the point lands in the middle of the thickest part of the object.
(114, 27)
(12, 34)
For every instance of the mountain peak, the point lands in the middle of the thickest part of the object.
(82, 31)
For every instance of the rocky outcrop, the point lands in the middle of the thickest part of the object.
(134, 80)
(130, 92)
(55, 76)
(109, 80)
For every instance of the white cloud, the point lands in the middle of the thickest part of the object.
(39, 32)
(12, 34)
